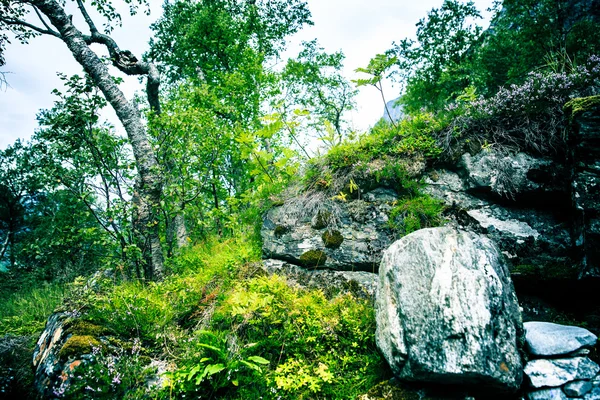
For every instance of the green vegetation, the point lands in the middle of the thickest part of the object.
(227, 331)
(412, 214)
(24, 312)
(229, 136)
(78, 345)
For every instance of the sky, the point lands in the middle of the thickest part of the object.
(359, 28)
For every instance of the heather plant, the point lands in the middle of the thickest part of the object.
(527, 116)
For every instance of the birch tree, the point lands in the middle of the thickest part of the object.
(25, 19)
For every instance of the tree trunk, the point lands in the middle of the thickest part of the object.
(150, 180)
(181, 235)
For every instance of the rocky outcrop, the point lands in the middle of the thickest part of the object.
(585, 189)
(565, 371)
(501, 196)
(359, 283)
(447, 312)
(316, 232)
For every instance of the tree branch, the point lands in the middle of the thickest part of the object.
(15, 21)
(42, 19)
(87, 18)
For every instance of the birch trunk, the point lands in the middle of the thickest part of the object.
(149, 186)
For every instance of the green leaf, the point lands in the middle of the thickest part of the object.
(259, 360)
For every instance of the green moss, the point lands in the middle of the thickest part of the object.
(313, 258)
(77, 345)
(85, 328)
(321, 220)
(332, 239)
(281, 230)
(581, 104)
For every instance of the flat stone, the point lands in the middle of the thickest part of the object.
(557, 372)
(547, 394)
(548, 339)
(577, 388)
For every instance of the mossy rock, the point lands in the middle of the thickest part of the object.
(85, 328)
(313, 258)
(281, 230)
(332, 239)
(321, 220)
(77, 345)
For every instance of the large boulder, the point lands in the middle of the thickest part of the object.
(447, 312)
(314, 231)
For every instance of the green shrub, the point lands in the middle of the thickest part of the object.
(315, 347)
(415, 213)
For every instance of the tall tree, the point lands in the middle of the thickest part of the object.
(53, 20)
(216, 55)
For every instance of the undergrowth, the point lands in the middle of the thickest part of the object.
(225, 330)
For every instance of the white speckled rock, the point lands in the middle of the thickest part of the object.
(548, 339)
(447, 312)
(594, 394)
(547, 394)
(560, 371)
(577, 388)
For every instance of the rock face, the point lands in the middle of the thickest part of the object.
(586, 187)
(548, 339)
(447, 312)
(512, 199)
(320, 233)
(541, 211)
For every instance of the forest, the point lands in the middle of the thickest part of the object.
(148, 235)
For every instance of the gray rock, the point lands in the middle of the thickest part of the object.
(446, 311)
(360, 283)
(393, 111)
(594, 394)
(295, 232)
(548, 339)
(505, 175)
(557, 372)
(547, 394)
(577, 388)
(526, 234)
